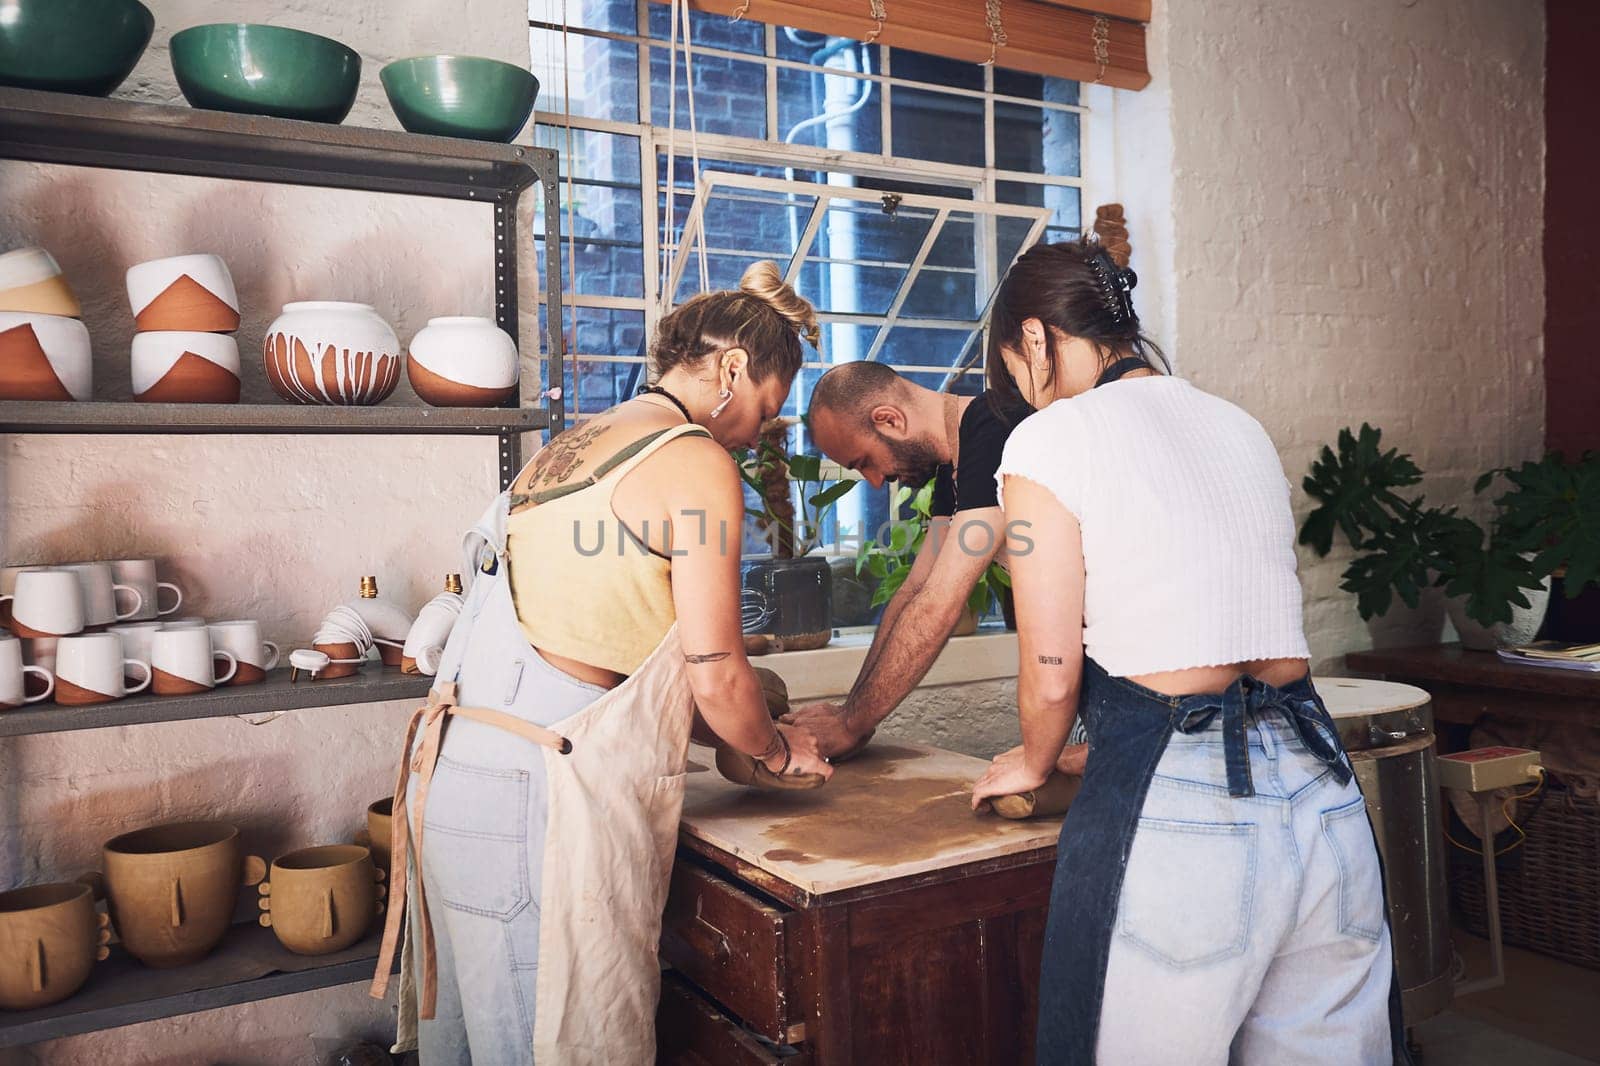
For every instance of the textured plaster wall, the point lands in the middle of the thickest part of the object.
(274, 528)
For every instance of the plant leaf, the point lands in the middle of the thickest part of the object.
(1354, 490)
(805, 467)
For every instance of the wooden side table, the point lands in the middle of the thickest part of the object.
(1466, 685)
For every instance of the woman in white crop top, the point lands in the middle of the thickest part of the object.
(1218, 896)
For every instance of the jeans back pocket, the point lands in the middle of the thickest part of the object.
(1349, 836)
(475, 845)
(1187, 892)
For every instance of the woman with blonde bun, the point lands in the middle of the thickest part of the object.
(541, 786)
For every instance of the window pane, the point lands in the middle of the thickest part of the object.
(593, 385)
(709, 31)
(854, 119)
(1036, 140)
(615, 16)
(607, 254)
(925, 347)
(729, 95)
(1034, 86)
(602, 75)
(937, 126)
(935, 70)
(1065, 204)
(947, 285)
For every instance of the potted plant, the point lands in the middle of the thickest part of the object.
(788, 598)
(890, 562)
(1499, 578)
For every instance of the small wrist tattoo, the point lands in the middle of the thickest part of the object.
(1050, 660)
(709, 657)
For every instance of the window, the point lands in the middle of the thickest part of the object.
(896, 186)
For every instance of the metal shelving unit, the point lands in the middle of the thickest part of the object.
(120, 134)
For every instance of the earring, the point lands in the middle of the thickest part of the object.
(726, 396)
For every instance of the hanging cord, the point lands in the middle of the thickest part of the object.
(879, 15)
(1101, 36)
(663, 297)
(572, 229)
(744, 9)
(1505, 809)
(997, 30)
(694, 139)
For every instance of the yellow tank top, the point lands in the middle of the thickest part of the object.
(583, 585)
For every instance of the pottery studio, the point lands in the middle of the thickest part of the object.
(736, 532)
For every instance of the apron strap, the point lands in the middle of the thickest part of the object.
(1250, 697)
(431, 719)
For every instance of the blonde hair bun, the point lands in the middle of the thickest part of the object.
(764, 281)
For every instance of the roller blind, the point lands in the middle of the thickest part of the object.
(1085, 40)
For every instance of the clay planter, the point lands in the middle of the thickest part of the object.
(332, 353)
(379, 831)
(172, 888)
(184, 292)
(185, 366)
(30, 280)
(44, 357)
(463, 362)
(338, 669)
(50, 937)
(322, 900)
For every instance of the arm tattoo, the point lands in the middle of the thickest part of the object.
(1050, 660)
(709, 657)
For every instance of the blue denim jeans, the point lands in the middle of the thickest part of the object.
(1218, 896)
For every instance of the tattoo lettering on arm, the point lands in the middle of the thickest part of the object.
(709, 657)
(1050, 660)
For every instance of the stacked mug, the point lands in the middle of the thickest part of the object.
(186, 309)
(44, 348)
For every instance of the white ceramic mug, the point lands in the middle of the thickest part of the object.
(191, 622)
(41, 651)
(48, 602)
(103, 597)
(8, 585)
(184, 661)
(242, 639)
(14, 675)
(90, 668)
(141, 574)
(137, 638)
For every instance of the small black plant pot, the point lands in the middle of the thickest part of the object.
(791, 600)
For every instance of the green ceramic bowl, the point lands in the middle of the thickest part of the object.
(71, 46)
(266, 70)
(460, 96)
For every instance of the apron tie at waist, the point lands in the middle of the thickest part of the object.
(1250, 697)
(430, 719)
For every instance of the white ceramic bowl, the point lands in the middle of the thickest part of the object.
(184, 292)
(44, 357)
(332, 352)
(184, 366)
(30, 280)
(463, 361)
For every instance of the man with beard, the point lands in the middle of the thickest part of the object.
(867, 417)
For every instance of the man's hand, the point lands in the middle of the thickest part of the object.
(826, 721)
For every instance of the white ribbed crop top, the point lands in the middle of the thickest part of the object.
(1188, 539)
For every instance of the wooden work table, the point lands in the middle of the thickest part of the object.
(1466, 685)
(875, 920)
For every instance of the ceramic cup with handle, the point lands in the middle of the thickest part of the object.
(14, 675)
(321, 900)
(242, 639)
(46, 602)
(90, 668)
(184, 662)
(140, 574)
(104, 600)
(172, 888)
(50, 937)
(137, 638)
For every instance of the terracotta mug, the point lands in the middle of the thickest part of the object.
(90, 668)
(242, 639)
(140, 574)
(321, 900)
(47, 602)
(172, 888)
(50, 937)
(184, 662)
(14, 676)
(104, 600)
(377, 834)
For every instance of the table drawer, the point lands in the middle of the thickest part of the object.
(734, 946)
(692, 1032)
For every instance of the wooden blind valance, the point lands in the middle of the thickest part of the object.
(1085, 40)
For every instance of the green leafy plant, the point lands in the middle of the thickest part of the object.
(773, 473)
(1549, 518)
(890, 562)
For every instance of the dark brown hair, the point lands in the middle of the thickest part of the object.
(764, 316)
(1060, 285)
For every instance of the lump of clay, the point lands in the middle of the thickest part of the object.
(749, 771)
(1052, 797)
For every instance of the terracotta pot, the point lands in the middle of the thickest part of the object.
(30, 280)
(321, 900)
(338, 669)
(184, 366)
(184, 292)
(330, 352)
(463, 362)
(172, 888)
(50, 937)
(380, 829)
(44, 357)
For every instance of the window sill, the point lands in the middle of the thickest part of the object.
(813, 675)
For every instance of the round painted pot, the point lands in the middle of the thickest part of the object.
(460, 96)
(463, 362)
(50, 937)
(86, 47)
(44, 357)
(321, 900)
(330, 352)
(266, 70)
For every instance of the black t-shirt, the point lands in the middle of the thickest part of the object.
(984, 428)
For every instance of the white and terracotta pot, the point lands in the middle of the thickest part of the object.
(184, 366)
(463, 362)
(330, 352)
(184, 292)
(44, 357)
(30, 280)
